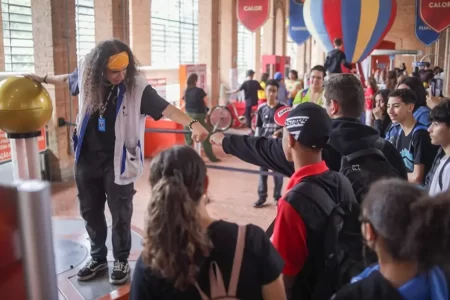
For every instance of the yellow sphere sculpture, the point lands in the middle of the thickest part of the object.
(25, 105)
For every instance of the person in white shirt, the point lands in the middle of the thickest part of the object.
(440, 135)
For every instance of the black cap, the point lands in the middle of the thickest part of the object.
(308, 123)
(250, 73)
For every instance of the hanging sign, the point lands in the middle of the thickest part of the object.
(253, 13)
(423, 32)
(435, 13)
(296, 23)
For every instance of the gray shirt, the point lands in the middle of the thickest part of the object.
(441, 178)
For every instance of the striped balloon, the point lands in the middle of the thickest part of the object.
(362, 24)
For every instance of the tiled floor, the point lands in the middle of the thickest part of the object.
(232, 195)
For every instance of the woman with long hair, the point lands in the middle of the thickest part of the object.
(382, 121)
(114, 99)
(369, 93)
(195, 104)
(410, 233)
(183, 243)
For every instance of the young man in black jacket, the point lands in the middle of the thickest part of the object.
(344, 102)
(336, 58)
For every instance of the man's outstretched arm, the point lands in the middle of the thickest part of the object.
(259, 151)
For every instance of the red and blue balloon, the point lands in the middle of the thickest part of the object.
(362, 24)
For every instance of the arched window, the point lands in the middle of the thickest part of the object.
(85, 26)
(174, 32)
(18, 35)
(245, 51)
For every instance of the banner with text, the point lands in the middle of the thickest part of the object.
(253, 13)
(5, 147)
(296, 23)
(435, 13)
(423, 32)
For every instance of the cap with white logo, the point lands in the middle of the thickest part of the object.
(308, 123)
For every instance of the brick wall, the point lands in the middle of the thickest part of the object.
(140, 30)
(55, 53)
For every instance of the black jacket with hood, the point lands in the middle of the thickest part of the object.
(348, 135)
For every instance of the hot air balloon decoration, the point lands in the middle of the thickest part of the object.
(361, 24)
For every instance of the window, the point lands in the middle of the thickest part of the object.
(174, 32)
(18, 35)
(291, 50)
(245, 52)
(85, 25)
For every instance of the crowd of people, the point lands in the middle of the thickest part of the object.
(365, 213)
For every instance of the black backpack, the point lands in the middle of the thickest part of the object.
(366, 166)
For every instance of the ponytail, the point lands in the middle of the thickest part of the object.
(428, 236)
(175, 242)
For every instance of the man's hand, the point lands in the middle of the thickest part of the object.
(217, 138)
(199, 133)
(278, 133)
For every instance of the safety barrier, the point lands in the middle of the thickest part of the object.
(198, 148)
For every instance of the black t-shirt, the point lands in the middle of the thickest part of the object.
(194, 100)
(103, 141)
(416, 149)
(251, 88)
(261, 265)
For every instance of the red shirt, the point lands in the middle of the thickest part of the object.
(289, 233)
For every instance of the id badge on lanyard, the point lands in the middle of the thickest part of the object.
(101, 124)
(101, 120)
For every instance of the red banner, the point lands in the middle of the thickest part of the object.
(435, 13)
(253, 13)
(5, 148)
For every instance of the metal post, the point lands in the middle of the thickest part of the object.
(32, 157)
(34, 206)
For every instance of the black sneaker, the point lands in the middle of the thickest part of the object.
(91, 269)
(120, 272)
(259, 203)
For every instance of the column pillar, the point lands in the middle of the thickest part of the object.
(140, 30)
(257, 47)
(111, 20)
(227, 39)
(208, 48)
(268, 43)
(55, 53)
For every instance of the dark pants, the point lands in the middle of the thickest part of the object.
(94, 177)
(206, 143)
(248, 116)
(262, 185)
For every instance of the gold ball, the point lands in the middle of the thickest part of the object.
(25, 105)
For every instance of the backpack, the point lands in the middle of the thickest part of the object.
(366, 166)
(415, 129)
(335, 243)
(216, 284)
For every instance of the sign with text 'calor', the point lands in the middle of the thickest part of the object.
(423, 32)
(435, 13)
(297, 28)
(253, 13)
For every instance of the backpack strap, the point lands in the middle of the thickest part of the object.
(216, 283)
(441, 173)
(237, 262)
